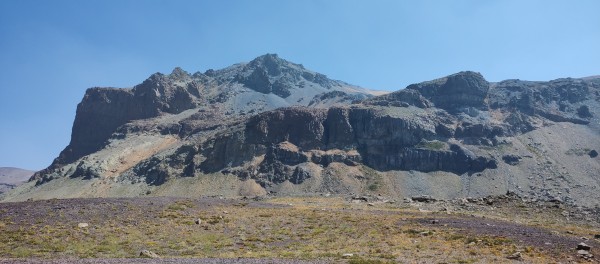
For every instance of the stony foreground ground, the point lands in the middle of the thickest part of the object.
(292, 230)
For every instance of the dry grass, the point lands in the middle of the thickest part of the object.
(298, 228)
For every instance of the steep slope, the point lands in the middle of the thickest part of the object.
(270, 126)
(12, 177)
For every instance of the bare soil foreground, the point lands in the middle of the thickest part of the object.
(294, 230)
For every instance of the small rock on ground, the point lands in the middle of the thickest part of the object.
(148, 254)
(583, 246)
(515, 256)
(585, 254)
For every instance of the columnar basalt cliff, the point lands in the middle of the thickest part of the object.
(294, 131)
(383, 141)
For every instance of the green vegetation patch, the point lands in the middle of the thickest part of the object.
(432, 145)
(578, 151)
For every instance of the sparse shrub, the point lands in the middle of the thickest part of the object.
(456, 237)
(471, 240)
(266, 215)
(432, 145)
(214, 220)
(578, 152)
(176, 207)
(373, 187)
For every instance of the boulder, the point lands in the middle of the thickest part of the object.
(585, 254)
(515, 256)
(148, 254)
(511, 159)
(583, 246)
(584, 112)
(423, 198)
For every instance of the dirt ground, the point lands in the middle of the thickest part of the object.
(290, 230)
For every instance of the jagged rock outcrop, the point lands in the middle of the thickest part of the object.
(336, 98)
(455, 92)
(103, 110)
(559, 100)
(271, 74)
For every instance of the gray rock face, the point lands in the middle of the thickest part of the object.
(103, 110)
(455, 92)
(288, 137)
(561, 100)
(511, 159)
(336, 98)
(271, 74)
(402, 98)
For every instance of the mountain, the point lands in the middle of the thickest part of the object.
(266, 83)
(271, 126)
(13, 177)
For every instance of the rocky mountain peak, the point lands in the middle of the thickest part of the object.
(270, 74)
(274, 66)
(455, 92)
(179, 74)
(271, 64)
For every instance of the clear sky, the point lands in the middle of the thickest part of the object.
(51, 51)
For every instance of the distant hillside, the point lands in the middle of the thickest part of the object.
(13, 177)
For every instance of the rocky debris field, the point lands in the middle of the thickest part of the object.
(353, 229)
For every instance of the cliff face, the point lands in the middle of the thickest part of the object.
(353, 136)
(455, 92)
(103, 110)
(295, 131)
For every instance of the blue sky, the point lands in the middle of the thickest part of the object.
(51, 51)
